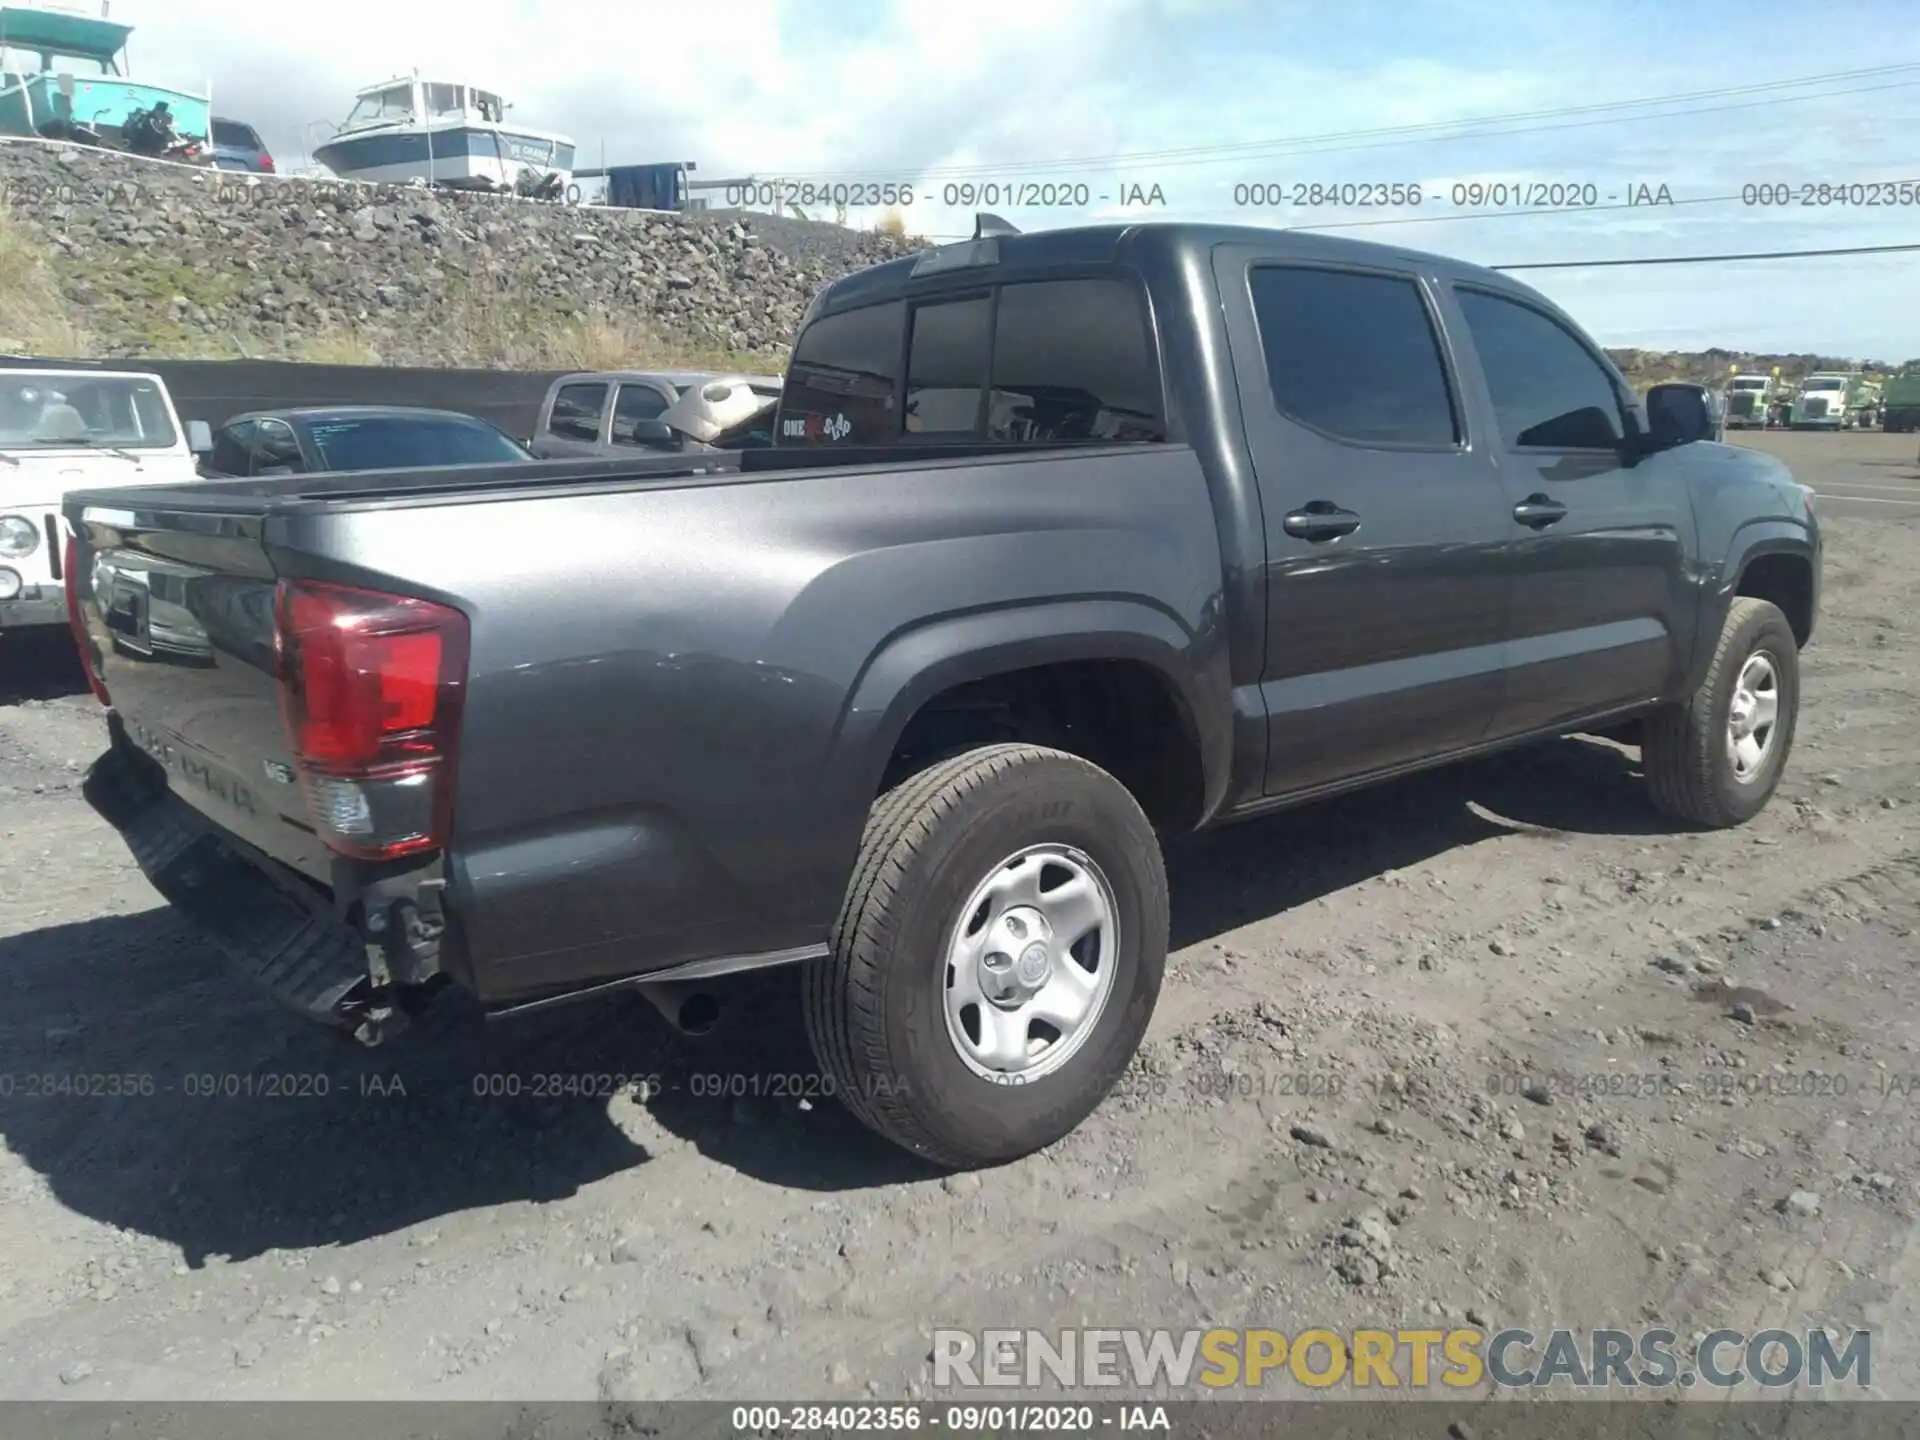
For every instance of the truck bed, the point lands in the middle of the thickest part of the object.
(673, 663)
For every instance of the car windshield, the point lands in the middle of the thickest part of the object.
(43, 410)
(1824, 384)
(1749, 384)
(380, 442)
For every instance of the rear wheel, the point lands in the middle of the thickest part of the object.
(1716, 758)
(997, 957)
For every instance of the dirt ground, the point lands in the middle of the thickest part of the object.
(1361, 996)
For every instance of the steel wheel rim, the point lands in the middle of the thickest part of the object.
(1753, 718)
(1030, 964)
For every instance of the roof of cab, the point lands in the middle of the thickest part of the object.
(678, 378)
(1092, 246)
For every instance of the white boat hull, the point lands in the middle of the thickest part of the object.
(453, 154)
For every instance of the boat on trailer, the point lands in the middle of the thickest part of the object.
(444, 133)
(64, 76)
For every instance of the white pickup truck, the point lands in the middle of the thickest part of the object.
(64, 430)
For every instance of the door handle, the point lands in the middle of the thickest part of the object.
(1538, 511)
(1320, 520)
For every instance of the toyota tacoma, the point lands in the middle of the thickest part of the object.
(1068, 543)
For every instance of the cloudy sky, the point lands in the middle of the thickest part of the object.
(1202, 98)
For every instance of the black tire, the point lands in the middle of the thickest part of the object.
(1684, 752)
(874, 1007)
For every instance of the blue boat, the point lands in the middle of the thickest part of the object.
(445, 133)
(63, 75)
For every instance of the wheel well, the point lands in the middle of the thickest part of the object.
(1121, 715)
(1785, 581)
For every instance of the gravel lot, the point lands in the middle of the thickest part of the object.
(1361, 996)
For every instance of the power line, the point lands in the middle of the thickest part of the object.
(1704, 259)
(1338, 141)
(1208, 153)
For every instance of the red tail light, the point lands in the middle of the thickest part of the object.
(371, 686)
(266, 162)
(77, 623)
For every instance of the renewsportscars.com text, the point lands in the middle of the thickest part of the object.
(1457, 1359)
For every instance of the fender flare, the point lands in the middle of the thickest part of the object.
(1769, 535)
(912, 665)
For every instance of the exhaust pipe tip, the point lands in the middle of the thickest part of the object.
(688, 1008)
(698, 1014)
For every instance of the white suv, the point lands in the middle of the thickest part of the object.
(63, 430)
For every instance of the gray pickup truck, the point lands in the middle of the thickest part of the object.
(1069, 542)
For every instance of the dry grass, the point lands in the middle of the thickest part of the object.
(513, 331)
(341, 345)
(894, 223)
(35, 318)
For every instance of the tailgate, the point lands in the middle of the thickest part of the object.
(179, 609)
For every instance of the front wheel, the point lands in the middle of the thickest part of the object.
(1716, 758)
(997, 957)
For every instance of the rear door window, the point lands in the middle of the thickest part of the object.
(578, 411)
(1354, 355)
(842, 379)
(240, 137)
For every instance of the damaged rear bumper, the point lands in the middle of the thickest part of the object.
(281, 932)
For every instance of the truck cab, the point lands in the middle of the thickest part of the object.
(1826, 401)
(1747, 400)
(63, 430)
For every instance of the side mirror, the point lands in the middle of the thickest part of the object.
(1679, 415)
(648, 432)
(199, 437)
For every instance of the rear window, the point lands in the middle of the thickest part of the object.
(841, 380)
(384, 441)
(947, 367)
(232, 132)
(1052, 360)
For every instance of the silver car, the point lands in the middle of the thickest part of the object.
(613, 412)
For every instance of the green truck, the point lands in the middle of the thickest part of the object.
(1748, 399)
(1900, 402)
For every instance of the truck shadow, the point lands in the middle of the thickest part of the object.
(1225, 878)
(37, 664)
(155, 1091)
